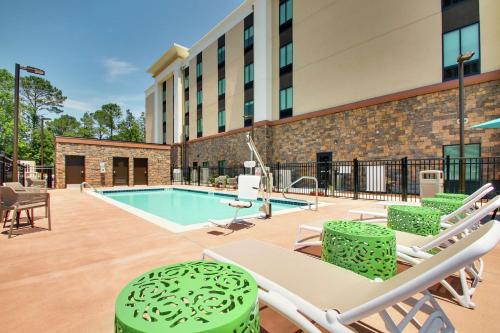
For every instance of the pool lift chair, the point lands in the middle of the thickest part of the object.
(249, 187)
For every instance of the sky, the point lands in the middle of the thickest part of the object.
(97, 52)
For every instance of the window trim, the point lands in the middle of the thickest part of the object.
(287, 112)
(248, 84)
(284, 2)
(248, 42)
(221, 60)
(221, 83)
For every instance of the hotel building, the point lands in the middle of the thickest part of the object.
(330, 80)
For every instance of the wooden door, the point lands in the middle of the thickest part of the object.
(120, 171)
(140, 171)
(75, 169)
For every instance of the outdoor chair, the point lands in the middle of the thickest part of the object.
(11, 200)
(413, 249)
(220, 181)
(248, 191)
(307, 290)
(232, 183)
(18, 187)
(41, 183)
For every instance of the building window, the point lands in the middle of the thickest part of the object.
(221, 121)
(458, 42)
(286, 11)
(472, 167)
(204, 164)
(199, 70)
(248, 75)
(248, 113)
(199, 127)
(186, 106)
(186, 81)
(186, 132)
(286, 55)
(221, 55)
(248, 37)
(222, 87)
(199, 97)
(286, 102)
(222, 167)
(447, 3)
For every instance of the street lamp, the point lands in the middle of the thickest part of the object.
(32, 70)
(461, 166)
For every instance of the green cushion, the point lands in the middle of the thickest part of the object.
(364, 248)
(422, 221)
(455, 196)
(196, 296)
(446, 206)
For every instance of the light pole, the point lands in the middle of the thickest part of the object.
(461, 166)
(32, 70)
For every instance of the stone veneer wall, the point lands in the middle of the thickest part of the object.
(158, 161)
(416, 127)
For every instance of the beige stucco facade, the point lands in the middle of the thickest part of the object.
(345, 51)
(150, 107)
(210, 97)
(489, 12)
(234, 77)
(169, 116)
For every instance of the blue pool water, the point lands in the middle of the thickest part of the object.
(188, 207)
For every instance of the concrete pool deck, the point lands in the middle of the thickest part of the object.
(67, 280)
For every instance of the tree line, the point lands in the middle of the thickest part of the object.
(39, 99)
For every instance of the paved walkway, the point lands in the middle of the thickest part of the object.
(67, 280)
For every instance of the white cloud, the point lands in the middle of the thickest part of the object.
(116, 68)
(77, 105)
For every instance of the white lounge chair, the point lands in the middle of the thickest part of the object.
(306, 290)
(248, 191)
(473, 197)
(413, 249)
(446, 220)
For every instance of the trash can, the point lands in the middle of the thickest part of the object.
(431, 182)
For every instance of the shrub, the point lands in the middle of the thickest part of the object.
(422, 221)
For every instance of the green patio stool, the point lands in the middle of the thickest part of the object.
(454, 196)
(446, 206)
(423, 221)
(190, 297)
(364, 248)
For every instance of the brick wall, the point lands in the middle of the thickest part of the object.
(96, 151)
(415, 127)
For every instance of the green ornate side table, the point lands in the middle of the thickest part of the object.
(422, 221)
(191, 297)
(454, 196)
(446, 206)
(364, 248)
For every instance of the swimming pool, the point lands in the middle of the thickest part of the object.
(182, 209)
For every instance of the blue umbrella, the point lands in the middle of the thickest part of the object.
(495, 123)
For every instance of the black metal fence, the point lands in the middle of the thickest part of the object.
(24, 172)
(363, 179)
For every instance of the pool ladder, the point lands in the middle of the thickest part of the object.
(82, 186)
(306, 201)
